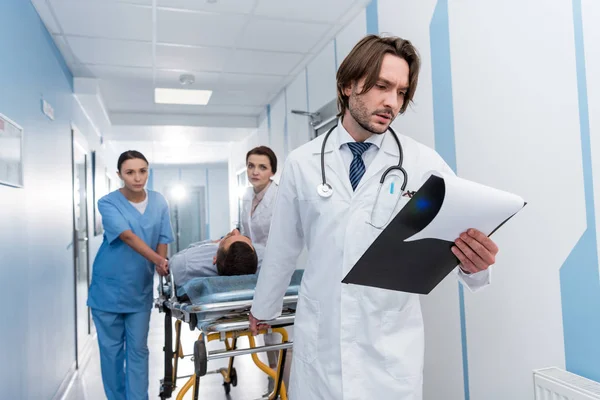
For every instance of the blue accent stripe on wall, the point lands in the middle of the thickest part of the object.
(179, 172)
(207, 206)
(285, 125)
(579, 280)
(443, 112)
(463, 335)
(443, 122)
(372, 18)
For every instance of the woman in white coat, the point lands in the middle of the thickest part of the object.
(259, 199)
(355, 342)
(257, 209)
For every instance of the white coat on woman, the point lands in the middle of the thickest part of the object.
(256, 225)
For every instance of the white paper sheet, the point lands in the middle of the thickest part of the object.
(467, 205)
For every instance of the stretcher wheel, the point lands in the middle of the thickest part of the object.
(200, 358)
(233, 377)
(232, 381)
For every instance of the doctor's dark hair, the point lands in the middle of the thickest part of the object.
(239, 259)
(364, 61)
(130, 155)
(264, 151)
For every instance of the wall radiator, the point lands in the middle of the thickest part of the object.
(557, 384)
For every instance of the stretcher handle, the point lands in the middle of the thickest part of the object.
(163, 280)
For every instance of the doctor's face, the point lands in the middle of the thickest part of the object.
(375, 110)
(134, 174)
(259, 171)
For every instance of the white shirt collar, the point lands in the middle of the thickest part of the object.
(259, 196)
(344, 137)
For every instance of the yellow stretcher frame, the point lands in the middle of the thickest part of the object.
(225, 321)
(229, 374)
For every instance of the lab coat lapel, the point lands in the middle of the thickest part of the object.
(385, 158)
(264, 204)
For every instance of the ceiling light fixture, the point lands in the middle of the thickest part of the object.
(182, 96)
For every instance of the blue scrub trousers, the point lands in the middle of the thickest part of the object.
(123, 342)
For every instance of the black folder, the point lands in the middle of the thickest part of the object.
(409, 266)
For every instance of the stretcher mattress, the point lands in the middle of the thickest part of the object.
(224, 289)
(220, 289)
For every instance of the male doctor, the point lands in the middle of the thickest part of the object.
(354, 342)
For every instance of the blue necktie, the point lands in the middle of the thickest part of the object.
(357, 166)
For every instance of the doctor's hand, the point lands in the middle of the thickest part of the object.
(475, 251)
(163, 267)
(256, 325)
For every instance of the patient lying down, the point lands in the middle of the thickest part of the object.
(234, 254)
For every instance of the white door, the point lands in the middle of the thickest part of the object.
(80, 170)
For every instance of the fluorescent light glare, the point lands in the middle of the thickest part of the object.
(178, 192)
(182, 96)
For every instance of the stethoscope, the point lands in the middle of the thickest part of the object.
(325, 190)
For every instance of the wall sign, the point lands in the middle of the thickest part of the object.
(11, 153)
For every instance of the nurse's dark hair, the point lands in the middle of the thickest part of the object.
(129, 155)
(364, 61)
(264, 151)
(239, 259)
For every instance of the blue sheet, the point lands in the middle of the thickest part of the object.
(219, 289)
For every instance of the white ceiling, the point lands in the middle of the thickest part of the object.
(168, 152)
(246, 51)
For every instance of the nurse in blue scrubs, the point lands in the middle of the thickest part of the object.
(137, 231)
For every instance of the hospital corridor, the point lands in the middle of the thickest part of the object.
(300, 199)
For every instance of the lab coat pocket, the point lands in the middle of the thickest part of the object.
(387, 204)
(403, 340)
(306, 329)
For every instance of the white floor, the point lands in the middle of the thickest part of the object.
(252, 383)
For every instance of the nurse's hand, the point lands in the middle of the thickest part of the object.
(476, 251)
(256, 325)
(163, 268)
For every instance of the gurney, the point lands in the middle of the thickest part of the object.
(218, 307)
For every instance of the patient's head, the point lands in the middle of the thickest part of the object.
(236, 255)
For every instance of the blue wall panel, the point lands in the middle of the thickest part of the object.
(36, 267)
(372, 18)
(579, 280)
(443, 122)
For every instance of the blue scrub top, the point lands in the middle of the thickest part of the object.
(122, 279)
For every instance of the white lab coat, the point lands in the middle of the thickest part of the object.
(256, 227)
(350, 342)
